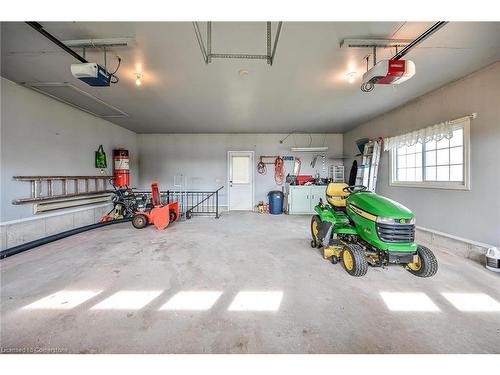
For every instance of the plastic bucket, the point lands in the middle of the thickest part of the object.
(275, 202)
(493, 259)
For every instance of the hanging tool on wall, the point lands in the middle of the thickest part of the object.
(261, 167)
(100, 158)
(279, 171)
(296, 166)
(313, 161)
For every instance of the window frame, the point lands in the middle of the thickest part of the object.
(450, 185)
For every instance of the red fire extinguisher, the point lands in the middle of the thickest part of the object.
(121, 167)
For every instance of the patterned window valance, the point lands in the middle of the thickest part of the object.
(434, 132)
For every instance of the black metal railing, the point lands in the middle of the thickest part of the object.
(192, 202)
(196, 202)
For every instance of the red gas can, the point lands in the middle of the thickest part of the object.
(121, 167)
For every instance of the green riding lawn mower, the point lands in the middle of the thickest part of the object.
(361, 228)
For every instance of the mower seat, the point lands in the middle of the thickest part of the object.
(334, 194)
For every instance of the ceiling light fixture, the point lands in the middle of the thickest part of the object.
(309, 149)
(243, 72)
(138, 79)
(351, 77)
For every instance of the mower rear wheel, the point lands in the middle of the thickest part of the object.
(315, 225)
(354, 260)
(140, 221)
(426, 264)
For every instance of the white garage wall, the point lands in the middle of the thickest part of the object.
(62, 134)
(473, 214)
(202, 158)
(41, 136)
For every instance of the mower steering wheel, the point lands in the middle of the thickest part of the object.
(354, 189)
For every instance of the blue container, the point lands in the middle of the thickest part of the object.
(275, 202)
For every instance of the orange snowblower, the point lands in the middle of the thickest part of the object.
(161, 215)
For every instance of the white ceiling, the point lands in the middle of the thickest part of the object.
(305, 90)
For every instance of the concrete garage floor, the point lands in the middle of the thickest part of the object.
(121, 290)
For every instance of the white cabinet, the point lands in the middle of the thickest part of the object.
(317, 192)
(303, 199)
(299, 201)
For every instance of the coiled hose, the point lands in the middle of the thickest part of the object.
(261, 168)
(279, 171)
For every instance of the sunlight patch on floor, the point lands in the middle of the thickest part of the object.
(257, 301)
(128, 300)
(472, 302)
(63, 299)
(408, 301)
(192, 300)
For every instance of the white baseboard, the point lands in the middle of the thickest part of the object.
(461, 239)
(452, 244)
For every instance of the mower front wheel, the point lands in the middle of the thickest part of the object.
(426, 264)
(140, 221)
(315, 225)
(354, 260)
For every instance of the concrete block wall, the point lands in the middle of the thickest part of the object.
(17, 232)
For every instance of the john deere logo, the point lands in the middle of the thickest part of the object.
(402, 221)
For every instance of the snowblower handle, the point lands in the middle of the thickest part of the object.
(155, 194)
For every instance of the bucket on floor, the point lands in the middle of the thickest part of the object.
(275, 202)
(493, 259)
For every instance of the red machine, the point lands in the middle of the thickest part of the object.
(121, 167)
(160, 215)
(302, 179)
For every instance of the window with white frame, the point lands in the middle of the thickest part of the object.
(441, 163)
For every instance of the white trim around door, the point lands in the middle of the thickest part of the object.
(240, 187)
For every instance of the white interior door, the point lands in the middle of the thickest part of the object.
(240, 180)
